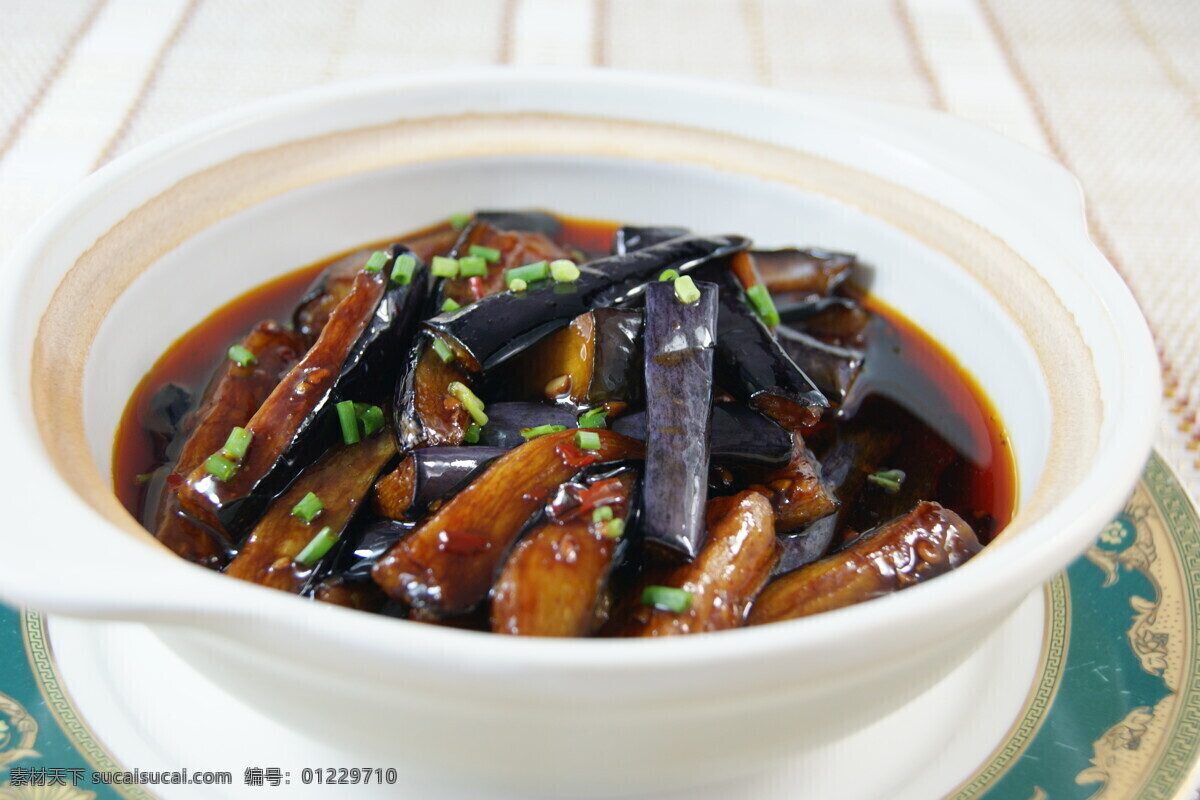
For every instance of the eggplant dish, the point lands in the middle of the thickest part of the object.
(529, 424)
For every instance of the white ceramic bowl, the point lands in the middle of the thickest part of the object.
(976, 239)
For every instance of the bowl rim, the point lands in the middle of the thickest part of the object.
(1120, 457)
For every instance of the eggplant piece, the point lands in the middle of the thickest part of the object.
(630, 237)
(534, 221)
(516, 247)
(750, 363)
(808, 272)
(354, 566)
(328, 289)
(354, 358)
(926, 542)
(833, 369)
(426, 414)
(358, 596)
(594, 359)
(725, 577)
(428, 475)
(736, 434)
(341, 479)
(679, 391)
(167, 413)
(507, 420)
(449, 563)
(837, 321)
(492, 330)
(797, 492)
(233, 394)
(553, 582)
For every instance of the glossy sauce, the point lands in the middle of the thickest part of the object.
(949, 435)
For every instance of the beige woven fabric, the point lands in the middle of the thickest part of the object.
(1111, 88)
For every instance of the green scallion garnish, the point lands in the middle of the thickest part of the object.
(541, 430)
(614, 528)
(489, 253)
(309, 506)
(320, 544)
(563, 270)
(668, 275)
(518, 285)
(348, 420)
(220, 467)
(587, 440)
(443, 350)
(537, 271)
(376, 261)
(472, 434)
(470, 401)
(667, 598)
(402, 270)
(459, 221)
(889, 480)
(241, 356)
(602, 514)
(472, 266)
(235, 446)
(371, 418)
(764, 306)
(593, 418)
(685, 289)
(450, 305)
(443, 267)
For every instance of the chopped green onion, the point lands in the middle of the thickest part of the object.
(143, 478)
(470, 401)
(888, 480)
(587, 440)
(318, 547)
(472, 266)
(242, 356)
(376, 261)
(614, 528)
(489, 253)
(685, 289)
(236, 444)
(764, 306)
(564, 270)
(667, 598)
(459, 221)
(371, 418)
(348, 419)
(443, 350)
(450, 305)
(593, 418)
(518, 285)
(309, 506)
(443, 267)
(668, 275)
(602, 514)
(537, 271)
(402, 270)
(472, 434)
(541, 430)
(220, 467)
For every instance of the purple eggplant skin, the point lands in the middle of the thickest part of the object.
(533, 221)
(492, 330)
(750, 362)
(629, 238)
(507, 420)
(679, 345)
(833, 369)
(353, 564)
(736, 434)
(426, 475)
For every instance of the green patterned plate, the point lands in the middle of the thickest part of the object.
(1113, 714)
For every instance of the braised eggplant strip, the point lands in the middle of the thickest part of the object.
(428, 475)
(352, 359)
(924, 543)
(680, 336)
(553, 582)
(736, 434)
(534, 425)
(713, 592)
(596, 358)
(233, 395)
(449, 563)
(488, 332)
(319, 504)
